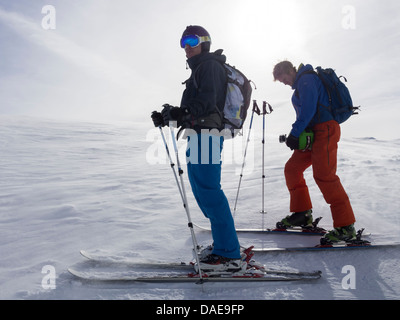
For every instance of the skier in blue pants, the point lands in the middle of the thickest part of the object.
(200, 112)
(205, 178)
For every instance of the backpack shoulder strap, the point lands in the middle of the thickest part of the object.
(194, 72)
(304, 73)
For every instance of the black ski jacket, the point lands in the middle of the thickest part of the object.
(205, 91)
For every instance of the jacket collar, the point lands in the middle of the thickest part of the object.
(195, 61)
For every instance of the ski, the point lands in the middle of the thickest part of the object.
(339, 246)
(133, 262)
(312, 230)
(182, 266)
(168, 276)
(120, 268)
(358, 243)
(305, 231)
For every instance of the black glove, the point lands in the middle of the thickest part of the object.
(170, 113)
(157, 119)
(292, 142)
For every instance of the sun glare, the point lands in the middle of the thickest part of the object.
(270, 25)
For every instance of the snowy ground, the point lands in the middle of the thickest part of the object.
(67, 186)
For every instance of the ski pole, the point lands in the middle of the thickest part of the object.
(172, 164)
(185, 202)
(256, 109)
(263, 159)
(265, 112)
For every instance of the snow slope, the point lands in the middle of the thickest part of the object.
(67, 186)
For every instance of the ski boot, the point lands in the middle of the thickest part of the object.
(210, 262)
(204, 252)
(297, 219)
(216, 263)
(347, 234)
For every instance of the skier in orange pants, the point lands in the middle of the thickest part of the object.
(323, 158)
(309, 93)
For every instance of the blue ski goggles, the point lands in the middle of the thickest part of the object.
(193, 40)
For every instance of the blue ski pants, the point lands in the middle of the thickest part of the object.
(204, 171)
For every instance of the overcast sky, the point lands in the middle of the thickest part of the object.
(120, 59)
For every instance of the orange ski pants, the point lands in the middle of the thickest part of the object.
(323, 158)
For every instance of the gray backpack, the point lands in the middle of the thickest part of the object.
(237, 101)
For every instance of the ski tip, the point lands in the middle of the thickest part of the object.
(74, 272)
(84, 253)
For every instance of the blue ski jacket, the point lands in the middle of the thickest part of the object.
(310, 100)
